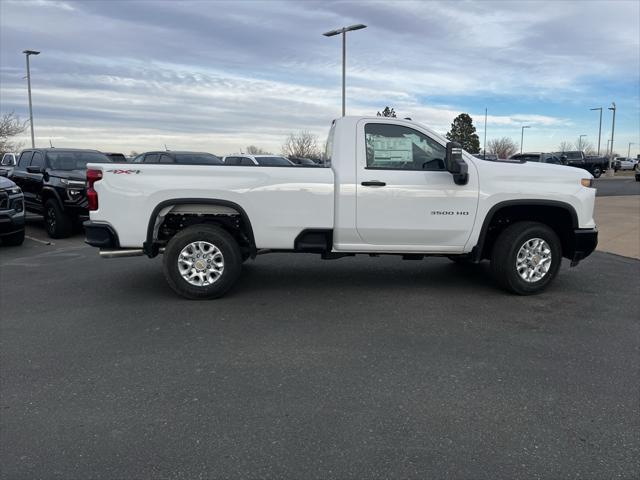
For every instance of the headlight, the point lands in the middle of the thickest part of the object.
(13, 190)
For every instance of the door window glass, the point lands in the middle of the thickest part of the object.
(396, 147)
(25, 159)
(247, 162)
(232, 161)
(164, 158)
(37, 160)
(151, 158)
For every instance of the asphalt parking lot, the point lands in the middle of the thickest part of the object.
(354, 368)
(624, 184)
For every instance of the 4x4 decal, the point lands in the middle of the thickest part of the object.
(119, 171)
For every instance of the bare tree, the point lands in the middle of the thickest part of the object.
(565, 146)
(503, 147)
(303, 144)
(586, 146)
(10, 126)
(253, 150)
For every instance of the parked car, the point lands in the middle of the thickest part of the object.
(577, 158)
(7, 163)
(637, 174)
(394, 187)
(537, 157)
(623, 163)
(181, 158)
(245, 160)
(303, 162)
(53, 181)
(487, 156)
(11, 213)
(116, 157)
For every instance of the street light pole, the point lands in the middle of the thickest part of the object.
(522, 136)
(599, 128)
(28, 53)
(613, 128)
(344, 31)
(629, 149)
(580, 141)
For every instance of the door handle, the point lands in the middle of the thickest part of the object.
(373, 183)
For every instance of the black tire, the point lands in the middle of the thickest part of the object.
(596, 172)
(14, 240)
(231, 260)
(57, 223)
(505, 253)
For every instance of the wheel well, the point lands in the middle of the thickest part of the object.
(560, 219)
(171, 217)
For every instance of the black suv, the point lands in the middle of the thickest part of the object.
(53, 181)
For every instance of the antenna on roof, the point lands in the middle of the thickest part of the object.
(165, 148)
(51, 144)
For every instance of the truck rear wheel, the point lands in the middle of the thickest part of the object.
(202, 262)
(526, 257)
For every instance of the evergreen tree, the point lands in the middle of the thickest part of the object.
(463, 132)
(387, 112)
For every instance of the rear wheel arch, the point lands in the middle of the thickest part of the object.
(561, 217)
(244, 229)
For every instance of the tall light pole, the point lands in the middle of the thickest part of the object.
(629, 149)
(344, 31)
(613, 128)
(599, 128)
(580, 141)
(522, 136)
(28, 53)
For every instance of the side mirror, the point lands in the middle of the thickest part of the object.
(455, 164)
(35, 169)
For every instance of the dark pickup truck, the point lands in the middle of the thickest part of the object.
(53, 181)
(577, 158)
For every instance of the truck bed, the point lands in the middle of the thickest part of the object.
(280, 201)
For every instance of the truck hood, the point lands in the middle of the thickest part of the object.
(6, 183)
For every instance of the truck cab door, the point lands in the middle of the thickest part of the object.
(406, 200)
(20, 175)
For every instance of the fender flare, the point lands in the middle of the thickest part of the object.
(48, 191)
(477, 250)
(151, 249)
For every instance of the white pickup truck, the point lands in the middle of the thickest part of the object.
(390, 187)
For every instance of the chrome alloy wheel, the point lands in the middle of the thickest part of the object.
(533, 260)
(201, 263)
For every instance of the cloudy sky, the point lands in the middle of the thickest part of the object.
(217, 76)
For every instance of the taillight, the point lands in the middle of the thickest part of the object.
(92, 196)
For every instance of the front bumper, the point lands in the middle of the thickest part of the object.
(584, 243)
(11, 222)
(100, 235)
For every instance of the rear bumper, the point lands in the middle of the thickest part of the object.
(585, 242)
(100, 235)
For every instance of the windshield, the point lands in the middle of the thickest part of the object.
(273, 161)
(197, 159)
(72, 160)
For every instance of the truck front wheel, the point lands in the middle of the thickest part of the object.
(526, 257)
(596, 172)
(202, 262)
